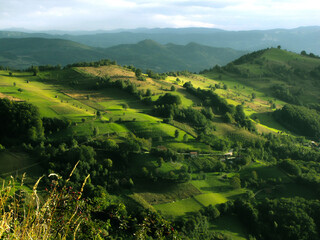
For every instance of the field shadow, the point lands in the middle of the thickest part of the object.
(217, 189)
(10, 92)
(188, 96)
(267, 119)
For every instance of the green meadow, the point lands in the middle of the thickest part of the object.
(214, 189)
(50, 101)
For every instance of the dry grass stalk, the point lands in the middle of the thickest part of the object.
(25, 216)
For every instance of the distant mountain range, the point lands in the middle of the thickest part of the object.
(149, 54)
(298, 39)
(23, 52)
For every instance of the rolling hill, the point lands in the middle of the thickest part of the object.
(149, 54)
(291, 77)
(24, 52)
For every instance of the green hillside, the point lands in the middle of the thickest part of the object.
(21, 53)
(193, 57)
(176, 155)
(288, 76)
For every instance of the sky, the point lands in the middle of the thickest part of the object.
(89, 15)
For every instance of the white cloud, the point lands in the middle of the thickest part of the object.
(107, 14)
(181, 21)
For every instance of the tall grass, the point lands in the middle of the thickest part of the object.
(56, 214)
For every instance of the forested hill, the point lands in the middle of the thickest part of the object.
(24, 52)
(149, 54)
(291, 77)
(297, 39)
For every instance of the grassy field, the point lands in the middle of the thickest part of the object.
(215, 189)
(219, 184)
(287, 188)
(179, 208)
(189, 146)
(265, 172)
(158, 87)
(164, 193)
(13, 163)
(50, 101)
(239, 93)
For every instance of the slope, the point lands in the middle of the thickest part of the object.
(291, 77)
(148, 54)
(24, 52)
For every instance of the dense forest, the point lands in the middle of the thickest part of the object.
(299, 119)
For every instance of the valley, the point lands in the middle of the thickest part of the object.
(173, 143)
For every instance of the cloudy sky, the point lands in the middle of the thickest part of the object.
(114, 14)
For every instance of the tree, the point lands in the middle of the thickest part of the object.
(176, 133)
(95, 131)
(138, 72)
(160, 161)
(225, 87)
(290, 166)
(185, 138)
(148, 92)
(173, 88)
(235, 182)
(21, 121)
(125, 106)
(130, 183)
(107, 163)
(168, 99)
(35, 70)
(145, 171)
(228, 118)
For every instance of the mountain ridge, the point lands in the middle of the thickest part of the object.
(296, 39)
(147, 54)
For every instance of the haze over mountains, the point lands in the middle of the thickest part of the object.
(147, 54)
(160, 50)
(298, 39)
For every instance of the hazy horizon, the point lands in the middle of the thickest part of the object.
(145, 28)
